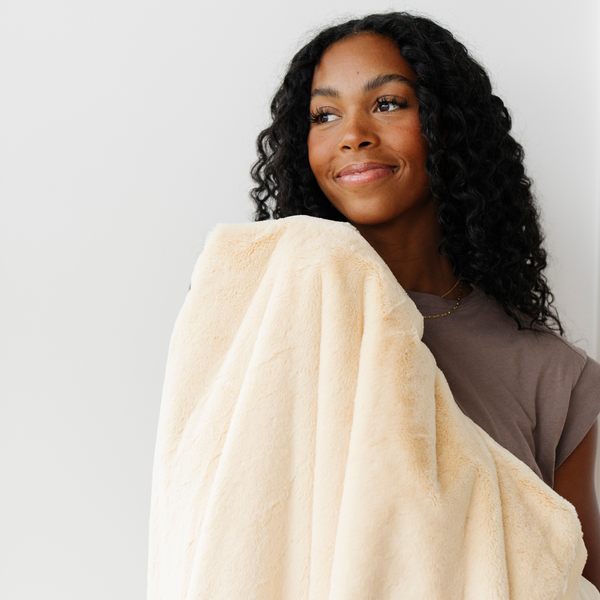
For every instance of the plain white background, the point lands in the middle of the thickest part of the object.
(127, 131)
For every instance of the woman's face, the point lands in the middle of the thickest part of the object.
(365, 146)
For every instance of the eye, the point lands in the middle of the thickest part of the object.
(322, 115)
(390, 103)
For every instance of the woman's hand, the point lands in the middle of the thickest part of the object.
(574, 480)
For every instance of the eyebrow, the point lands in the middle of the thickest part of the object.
(371, 85)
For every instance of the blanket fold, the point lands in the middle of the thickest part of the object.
(310, 449)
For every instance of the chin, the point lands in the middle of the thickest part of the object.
(375, 210)
(368, 216)
(366, 221)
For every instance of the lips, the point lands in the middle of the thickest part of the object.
(360, 173)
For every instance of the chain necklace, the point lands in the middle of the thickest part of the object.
(451, 289)
(454, 307)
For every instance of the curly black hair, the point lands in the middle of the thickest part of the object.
(489, 219)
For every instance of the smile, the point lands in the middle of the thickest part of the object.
(362, 173)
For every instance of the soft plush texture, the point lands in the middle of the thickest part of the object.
(310, 449)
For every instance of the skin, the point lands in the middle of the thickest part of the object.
(367, 153)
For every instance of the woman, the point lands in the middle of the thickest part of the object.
(386, 122)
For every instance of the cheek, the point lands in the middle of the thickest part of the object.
(419, 144)
(317, 155)
(412, 148)
(408, 139)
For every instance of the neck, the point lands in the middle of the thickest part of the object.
(410, 250)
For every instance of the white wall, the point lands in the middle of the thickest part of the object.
(126, 132)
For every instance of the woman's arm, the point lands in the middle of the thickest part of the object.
(574, 480)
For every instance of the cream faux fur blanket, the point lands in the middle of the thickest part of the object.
(309, 448)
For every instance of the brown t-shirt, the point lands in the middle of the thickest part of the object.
(533, 392)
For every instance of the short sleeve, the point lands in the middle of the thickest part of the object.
(584, 407)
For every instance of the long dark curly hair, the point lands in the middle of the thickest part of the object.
(488, 216)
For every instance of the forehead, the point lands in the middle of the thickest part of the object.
(358, 58)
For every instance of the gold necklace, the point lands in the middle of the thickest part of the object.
(452, 309)
(451, 289)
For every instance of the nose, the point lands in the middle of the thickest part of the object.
(357, 132)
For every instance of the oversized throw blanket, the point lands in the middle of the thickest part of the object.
(309, 448)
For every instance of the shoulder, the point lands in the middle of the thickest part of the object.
(567, 381)
(543, 342)
(583, 410)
